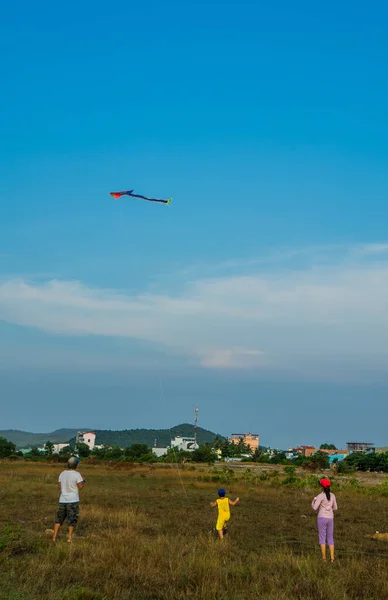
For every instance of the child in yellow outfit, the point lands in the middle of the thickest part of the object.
(223, 503)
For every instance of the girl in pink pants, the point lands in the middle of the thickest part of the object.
(325, 503)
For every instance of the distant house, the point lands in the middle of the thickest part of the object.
(184, 443)
(335, 453)
(86, 437)
(249, 439)
(188, 444)
(159, 451)
(359, 446)
(340, 455)
(311, 450)
(305, 450)
(25, 450)
(380, 449)
(58, 447)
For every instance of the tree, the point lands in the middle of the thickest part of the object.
(230, 449)
(99, 452)
(242, 447)
(83, 450)
(319, 460)
(279, 458)
(34, 454)
(114, 453)
(205, 453)
(66, 450)
(227, 449)
(327, 447)
(49, 448)
(258, 455)
(6, 448)
(301, 460)
(218, 442)
(365, 461)
(136, 452)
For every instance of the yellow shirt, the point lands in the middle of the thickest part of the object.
(223, 507)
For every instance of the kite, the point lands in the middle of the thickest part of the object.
(117, 195)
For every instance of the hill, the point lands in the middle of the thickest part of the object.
(25, 439)
(123, 438)
(126, 437)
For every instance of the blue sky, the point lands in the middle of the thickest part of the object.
(262, 289)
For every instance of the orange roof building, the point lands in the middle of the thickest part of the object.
(250, 439)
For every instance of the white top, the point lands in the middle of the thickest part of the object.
(69, 488)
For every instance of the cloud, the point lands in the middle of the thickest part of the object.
(278, 318)
(374, 249)
(233, 358)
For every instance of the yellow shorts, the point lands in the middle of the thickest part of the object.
(222, 521)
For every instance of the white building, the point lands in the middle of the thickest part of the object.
(184, 443)
(159, 451)
(58, 447)
(86, 437)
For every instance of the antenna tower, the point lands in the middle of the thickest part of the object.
(195, 425)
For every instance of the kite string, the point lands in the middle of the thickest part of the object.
(162, 395)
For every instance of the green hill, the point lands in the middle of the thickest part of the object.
(123, 438)
(25, 439)
(163, 437)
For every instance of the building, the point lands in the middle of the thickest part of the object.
(188, 444)
(359, 446)
(310, 450)
(380, 449)
(86, 437)
(334, 453)
(58, 447)
(184, 443)
(249, 439)
(305, 450)
(338, 456)
(159, 451)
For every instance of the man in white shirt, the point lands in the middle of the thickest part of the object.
(69, 482)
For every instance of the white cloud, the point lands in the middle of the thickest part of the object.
(233, 358)
(374, 248)
(278, 318)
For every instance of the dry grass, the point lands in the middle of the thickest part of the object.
(147, 534)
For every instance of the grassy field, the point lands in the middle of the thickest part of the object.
(147, 533)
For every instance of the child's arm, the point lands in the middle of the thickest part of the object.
(235, 502)
(316, 502)
(213, 504)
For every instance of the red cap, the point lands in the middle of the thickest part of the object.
(325, 482)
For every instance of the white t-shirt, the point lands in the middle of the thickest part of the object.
(69, 488)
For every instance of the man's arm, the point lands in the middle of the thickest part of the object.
(80, 482)
(213, 504)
